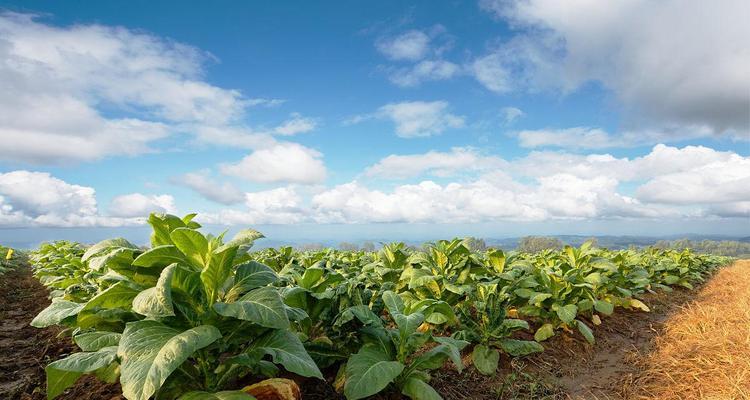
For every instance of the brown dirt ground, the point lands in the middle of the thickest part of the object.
(25, 350)
(624, 363)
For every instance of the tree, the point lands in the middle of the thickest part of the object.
(533, 244)
(476, 244)
(346, 246)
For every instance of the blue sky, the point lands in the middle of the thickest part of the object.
(495, 118)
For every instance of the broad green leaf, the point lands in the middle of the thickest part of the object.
(485, 359)
(524, 293)
(363, 313)
(94, 341)
(262, 306)
(192, 244)
(511, 324)
(105, 245)
(114, 258)
(436, 356)
(417, 389)
(537, 298)
(311, 276)
(393, 302)
(408, 324)
(163, 225)
(160, 256)
(594, 278)
(604, 307)
(567, 313)
(518, 348)
(118, 295)
(453, 349)
(226, 395)
(368, 372)
(217, 272)
(286, 349)
(150, 351)
(253, 274)
(56, 313)
(244, 237)
(156, 302)
(585, 331)
(544, 332)
(63, 373)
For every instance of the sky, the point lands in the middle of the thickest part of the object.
(393, 119)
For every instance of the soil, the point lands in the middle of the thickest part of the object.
(25, 350)
(569, 368)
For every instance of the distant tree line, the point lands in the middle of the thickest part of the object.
(729, 248)
(534, 244)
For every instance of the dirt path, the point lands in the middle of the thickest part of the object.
(25, 351)
(704, 350)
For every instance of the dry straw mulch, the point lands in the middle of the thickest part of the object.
(704, 350)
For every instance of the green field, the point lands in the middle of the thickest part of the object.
(198, 316)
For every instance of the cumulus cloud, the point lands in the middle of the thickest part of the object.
(427, 70)
(511, 114)
(714, 183)
(283, 162)
(207, 186)
(412, 45)
(584, 137)
(263, 102)
(420, 118)
(40, 196)
(135, 205)
(423, 51)
(276, 206)
(85, 92)
(296, 124)
(29, 198)
(578, 137)
(458, 160)
(492, 197)
(493, 73)
(668, 62)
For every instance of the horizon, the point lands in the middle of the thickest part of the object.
(401, 121)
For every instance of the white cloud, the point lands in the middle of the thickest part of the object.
(412, 45)
(511, 114)
(283, 162)
(38, 199)
(203, 183)
(41, 196)
(427, 70)
(138, 205)
(489, 198)
(419, 118)
(458, 160)
(85, 92)
(263, 102)
(491, 71)
(583, 137)
(715, 183)
(684, 63)
(662, 160)
(578, 137)
(296, 124)
(276, 206)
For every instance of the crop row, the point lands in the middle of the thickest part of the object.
(196, 317)
(10, 259)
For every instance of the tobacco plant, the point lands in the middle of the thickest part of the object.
(188, 314)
